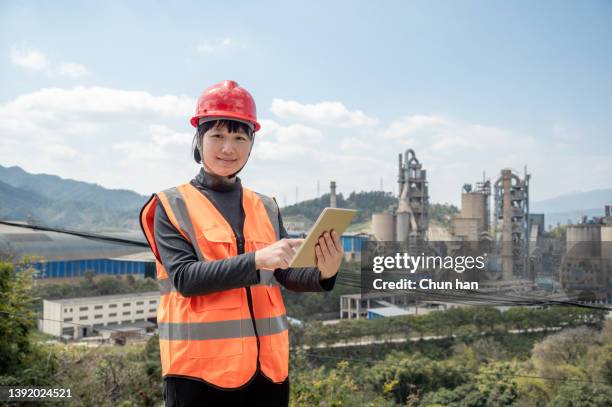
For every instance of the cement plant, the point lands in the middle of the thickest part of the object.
(572, 263)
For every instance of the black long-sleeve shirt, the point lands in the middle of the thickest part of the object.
(191, 276)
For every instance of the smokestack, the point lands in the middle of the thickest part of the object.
(332, 191)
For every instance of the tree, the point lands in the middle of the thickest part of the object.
(17, 317)
(466, 395)
(21, 361)
(332, 388)
(409, 376)
(573, 394)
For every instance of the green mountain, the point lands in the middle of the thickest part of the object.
(365, 202)
(60, 189)
(52, 201)
(575, 202)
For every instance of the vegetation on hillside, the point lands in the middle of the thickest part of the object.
(366, 203)
(558, 357)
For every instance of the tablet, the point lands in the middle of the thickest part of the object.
(331, 218)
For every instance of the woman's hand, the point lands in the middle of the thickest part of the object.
(329, 254)
(278, 255)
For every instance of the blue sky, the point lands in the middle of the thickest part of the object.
(472, 86)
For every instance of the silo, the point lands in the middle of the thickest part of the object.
(606, 242)
(383, 226)
(403, 220)
(474, 206)
(583, 240)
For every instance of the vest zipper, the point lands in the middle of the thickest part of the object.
(240, 243)
(240, 250)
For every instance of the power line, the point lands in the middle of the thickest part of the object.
(86, 235)
(344, 279)
(472, 296)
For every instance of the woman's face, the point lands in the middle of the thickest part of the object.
(224, 153)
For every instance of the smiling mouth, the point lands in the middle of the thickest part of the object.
(226, 160)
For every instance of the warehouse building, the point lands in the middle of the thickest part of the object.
(61, 255)
(87, 316)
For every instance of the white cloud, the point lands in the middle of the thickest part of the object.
(446, 136)
(213, 47)
(72, 70)
(294, 133)
(141, 141)
(31, 59)
(285, 143)
(353, 144)
(35, 60)
(323, 113)
(454, 152)
(117, 138)
(408, 125)
(53, 102)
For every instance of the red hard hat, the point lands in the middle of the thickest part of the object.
(226, 100)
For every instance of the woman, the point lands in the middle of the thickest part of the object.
(222, 252)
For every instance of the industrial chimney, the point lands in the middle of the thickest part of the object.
(332, 196)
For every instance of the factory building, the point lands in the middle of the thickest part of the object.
(472, 223)
(82, 317)
(511, 222)
(409, 220)
(355, 306)
(61, 255)
(383, 305)
(587, 264)
(412, 217)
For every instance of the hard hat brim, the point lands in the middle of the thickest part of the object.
(253, 124)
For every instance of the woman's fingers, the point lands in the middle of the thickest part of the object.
(294, 243)
(324, 248)
(331, 246)
(320, 256)
(287, 251)
(336, 240)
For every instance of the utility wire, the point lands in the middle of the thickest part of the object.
(86, 235)
(353, 281)
(472, 296)
(344, 281)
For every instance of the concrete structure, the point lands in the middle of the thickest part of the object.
(587, 264)
(82, 317)
(332, 194)
(475, 204)
(537, 223)
(409, 219)
(472, 223)
(412, 218)
(383, 226)
(584, 240)
(511, 222)
(466, 228)
(606, 242)
(355, 306)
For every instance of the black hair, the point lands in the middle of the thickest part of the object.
(232, 126)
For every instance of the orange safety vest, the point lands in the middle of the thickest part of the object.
(223, 337)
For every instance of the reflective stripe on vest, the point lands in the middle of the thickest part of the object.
(212, 336)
